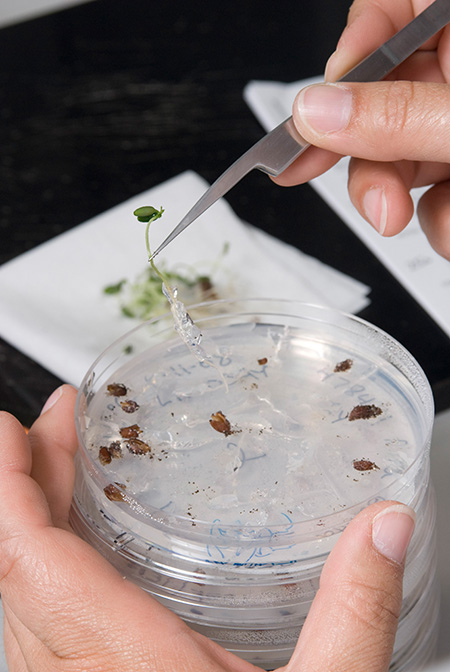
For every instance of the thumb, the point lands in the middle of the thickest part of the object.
(352, 622)
(379, 121)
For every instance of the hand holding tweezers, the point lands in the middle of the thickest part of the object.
(279, 148)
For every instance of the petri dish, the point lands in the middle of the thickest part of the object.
(221, 486)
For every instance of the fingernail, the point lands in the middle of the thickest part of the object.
(326, 108)
(375, 208)
(53, 398)
(329, 64)
(392, 530)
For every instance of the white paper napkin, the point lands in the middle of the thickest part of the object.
(408, 256)
(53, 307)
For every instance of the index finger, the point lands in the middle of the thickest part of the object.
(53, 443)
(370, 23)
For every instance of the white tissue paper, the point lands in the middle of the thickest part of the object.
(52, 303)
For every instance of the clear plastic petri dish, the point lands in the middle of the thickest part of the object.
(221, 486)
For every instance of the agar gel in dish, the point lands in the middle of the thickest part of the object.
(208, 520)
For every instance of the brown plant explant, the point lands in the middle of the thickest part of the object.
(104, 456)
(131, 432)
(129, 406)
(114, 493)
(220, 423)
(138, 447)
(341, 367)
(117, 390)
(364, 412)
(364, 465)
(115, 450)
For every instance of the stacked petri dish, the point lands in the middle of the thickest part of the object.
(220, 485)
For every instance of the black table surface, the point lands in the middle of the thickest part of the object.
(107, 99)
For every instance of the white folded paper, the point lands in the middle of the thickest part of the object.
(408, 256)
(53, 307)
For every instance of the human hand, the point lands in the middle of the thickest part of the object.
(68, 610)
(398, 132)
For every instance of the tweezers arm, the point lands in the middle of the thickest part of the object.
(219, 188)
(279, 147)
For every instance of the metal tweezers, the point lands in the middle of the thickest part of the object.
(279, 148)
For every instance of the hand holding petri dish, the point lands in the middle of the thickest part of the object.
(222, 489)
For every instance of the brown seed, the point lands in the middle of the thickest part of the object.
(364, 465)
(138, 447)
(129, 406)
(130, 432)
(104, 455)
(364, 412)
(117, 390)
(346, 365)
(205, 283)
(113, 493)
(220, 423)
(206, 288)
(262, 361)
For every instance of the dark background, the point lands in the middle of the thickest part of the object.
(105, 100)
